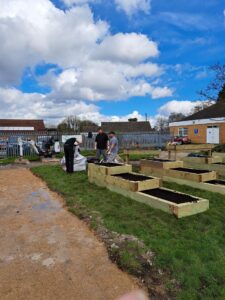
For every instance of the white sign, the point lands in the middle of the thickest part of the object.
(16, 128)
(66, 137)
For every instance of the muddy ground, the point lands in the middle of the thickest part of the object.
(46, 252)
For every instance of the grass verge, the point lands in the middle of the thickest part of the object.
(186, 255)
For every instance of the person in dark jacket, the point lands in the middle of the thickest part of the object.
(69, 154)
(101, 144)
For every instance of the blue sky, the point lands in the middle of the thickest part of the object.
(189, 36)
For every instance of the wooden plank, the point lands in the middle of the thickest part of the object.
(94, 168)
(202, 160)
(161, 164)
(190, 147)
(219, 154)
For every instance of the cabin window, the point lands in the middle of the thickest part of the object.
(182, 131)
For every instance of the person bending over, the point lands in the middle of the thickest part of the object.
(113, 147)
(69, 153)
(101, 144)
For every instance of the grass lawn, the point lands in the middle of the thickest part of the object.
(11, 160)
(191, 250)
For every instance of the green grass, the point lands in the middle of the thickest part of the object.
(133, 157)
(6, 161)
(191, 250)
(11, 160)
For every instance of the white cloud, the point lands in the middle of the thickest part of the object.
(34, 31)
(70, 3)
(130, 7)
(178, 106)
(95, 64)
(128, 48)
(15, 104)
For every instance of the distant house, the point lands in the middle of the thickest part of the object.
(92, 128)
(127, 127)
(19, 126)
(205, 126)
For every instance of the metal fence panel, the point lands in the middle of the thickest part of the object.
(9, 142)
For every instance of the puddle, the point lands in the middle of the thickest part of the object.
(41, 200)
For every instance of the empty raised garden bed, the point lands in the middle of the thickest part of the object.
(133, 181)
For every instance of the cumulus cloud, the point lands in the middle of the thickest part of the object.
(178, 106)
(128, 48)
(34, 31)
(14, 103)
(94, 64)
(76, 2)
(130, 7)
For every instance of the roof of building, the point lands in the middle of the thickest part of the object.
(13, 124)
(126, 127)
(90, 128)
(216, 110)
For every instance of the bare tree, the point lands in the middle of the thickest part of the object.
(217, 85)
(73, 124)
(162, 124)
(202, 106)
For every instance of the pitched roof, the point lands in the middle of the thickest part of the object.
(38, 125)
(216, 110)
(90, 128)
(126, 127)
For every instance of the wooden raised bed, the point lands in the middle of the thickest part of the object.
(147, 190)
(202, 160)
(219, 154)
(161, 163)
(108, 168)
(180, 172)
(219, 168)
(206, 186)
(194, 206)
(133, 181)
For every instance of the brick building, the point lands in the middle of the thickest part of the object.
(19, 126)
(206, 126)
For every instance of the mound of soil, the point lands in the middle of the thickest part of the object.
(170, 196)
(132, 177)
(220, 182)
(190, 170)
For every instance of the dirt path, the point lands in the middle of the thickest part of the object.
(47, 253)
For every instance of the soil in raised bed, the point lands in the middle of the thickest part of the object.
(191, 170)
(108, 164)
(170, 196)
(132, 177)
(219, 163)
(217, 182)
(161, 160)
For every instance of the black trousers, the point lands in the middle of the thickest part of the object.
(69, 156)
